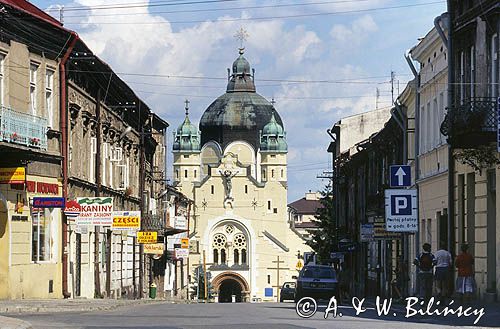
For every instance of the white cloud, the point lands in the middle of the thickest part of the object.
(358, 30)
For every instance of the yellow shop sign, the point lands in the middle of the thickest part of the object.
(147, 237)
(12, 175)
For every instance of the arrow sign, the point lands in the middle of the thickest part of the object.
(400, 176)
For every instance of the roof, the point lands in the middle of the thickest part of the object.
(34, 11)
(303, 206)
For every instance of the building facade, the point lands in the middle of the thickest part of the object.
(302, 214)
(234, 168)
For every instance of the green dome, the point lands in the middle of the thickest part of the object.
(187, 137)
(272, 137)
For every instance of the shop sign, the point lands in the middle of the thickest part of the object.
(15, 175)
(72, 209)
(126, 220)
(95, 211)
(185, 243)
(42, 187)
(366, 232)
(181, 253)
(154, 248)
(19, 218)
(48, 202)
(147, 237)
(380, 233)
(180, 223)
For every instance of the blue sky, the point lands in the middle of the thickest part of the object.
(359, 47)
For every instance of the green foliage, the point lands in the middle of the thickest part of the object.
(324, 239)
(481, 158)
(198, 288)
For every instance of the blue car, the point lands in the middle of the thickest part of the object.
(316, 281)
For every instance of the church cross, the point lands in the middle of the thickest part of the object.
(242, 35)
(187, 106)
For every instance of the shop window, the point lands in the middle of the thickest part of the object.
(42, 236)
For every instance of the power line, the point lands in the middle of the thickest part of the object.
(140, 5)
(221, 9)
(267, 17)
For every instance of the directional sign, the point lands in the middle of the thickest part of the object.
(400, 176)
(401, 210)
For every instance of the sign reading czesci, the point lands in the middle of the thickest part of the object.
(126, 220)
(401, 210)
(12, 175)
(147, 237)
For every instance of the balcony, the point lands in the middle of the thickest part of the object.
(153, 223)
(471, 124)
(23, 129)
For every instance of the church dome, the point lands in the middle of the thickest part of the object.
(186, 137)
(240, 113)
(272, 137)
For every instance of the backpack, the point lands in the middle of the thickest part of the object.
(426, 262)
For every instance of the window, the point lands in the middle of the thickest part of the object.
(268, 204)
(268, 279)
(272, 173)
(2, 59)
(116, 154)
(93, 153)
(216, 256)
(42, 235)
(462, 77)
(243, 256)
(246, 189)
(430, 133)
(185, 173)
(212, 189)
(441, 116)
(472, 71)
(33, 77)
(49, 99)
(422, 129)
(223, 256)
(123, 176)
(435, 122)
(282, 173)
(236, 259)
(494, 71)
(104, 162)
(195, 173)
(177, 173)
(263, 174)
(429, 231)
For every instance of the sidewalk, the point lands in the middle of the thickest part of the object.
(71, 305)
(11, 323)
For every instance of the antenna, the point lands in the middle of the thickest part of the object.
(376, 98)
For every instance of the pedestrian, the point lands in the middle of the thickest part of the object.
(345, 278)
(425, 263)
(466, 285)
(442, 272)
(400, 281)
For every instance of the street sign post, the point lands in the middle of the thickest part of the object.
(401, 210)
(498, 124)
(400, 176)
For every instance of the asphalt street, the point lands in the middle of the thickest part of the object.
(242, 315)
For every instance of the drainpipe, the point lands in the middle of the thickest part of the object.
(63, 117)
(445, 19)
(416, 135)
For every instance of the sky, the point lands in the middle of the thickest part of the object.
(320, 60)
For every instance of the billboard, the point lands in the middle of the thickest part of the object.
(95, 211)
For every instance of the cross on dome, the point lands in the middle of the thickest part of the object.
(242, 35)
(187, 106)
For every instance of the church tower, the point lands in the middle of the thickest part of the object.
(237, 178)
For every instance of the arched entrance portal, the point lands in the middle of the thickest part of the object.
(228, 284)
(229, 288)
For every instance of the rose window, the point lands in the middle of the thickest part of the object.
(219, 241)
(239, 241)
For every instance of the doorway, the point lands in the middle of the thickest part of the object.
(229, 288)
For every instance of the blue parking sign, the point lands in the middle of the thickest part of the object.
(401, 210)
(400, 176)
(400, 205)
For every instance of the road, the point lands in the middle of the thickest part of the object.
(240, 316)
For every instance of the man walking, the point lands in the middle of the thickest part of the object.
(442, 272)
(425, 263)
(466, 285)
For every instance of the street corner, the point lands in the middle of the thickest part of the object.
(12, 323)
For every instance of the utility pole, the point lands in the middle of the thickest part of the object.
(61, 14)
(393, 75)
(277, 268)
(97, 231)
(142, 178)
(377, 96)
(205, 276)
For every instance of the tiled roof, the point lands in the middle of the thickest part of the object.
(304, 206)
(33, 10)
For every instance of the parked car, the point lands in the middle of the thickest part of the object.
(316, 281)
(287, 291)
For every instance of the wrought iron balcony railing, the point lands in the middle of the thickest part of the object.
(22, 128)
(153, 223)
(471, 124)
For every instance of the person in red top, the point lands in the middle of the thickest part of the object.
(465, 280)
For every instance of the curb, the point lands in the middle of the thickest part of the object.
(11, 323)
(58, 307)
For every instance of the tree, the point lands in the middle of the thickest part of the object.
(324, 238)
(198, 288)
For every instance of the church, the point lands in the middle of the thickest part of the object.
(234, 168)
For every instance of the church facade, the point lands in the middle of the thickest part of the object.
(234, 168)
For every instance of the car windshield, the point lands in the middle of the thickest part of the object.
(319, 273)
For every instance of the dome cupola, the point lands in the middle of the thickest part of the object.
(273, 137)
(187, 136)
(242, 77)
